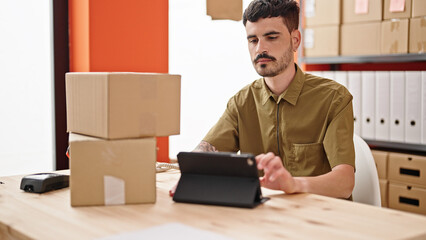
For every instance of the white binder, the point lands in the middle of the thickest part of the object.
(423, 123)
(382, 106)
(368, 103)
(413, 112)
(397, 103)
(329, 74)
(342, 78)
(354, 87)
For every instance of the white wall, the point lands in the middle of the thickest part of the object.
(213, 59)
(26, 88)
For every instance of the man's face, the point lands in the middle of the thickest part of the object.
(270, 46)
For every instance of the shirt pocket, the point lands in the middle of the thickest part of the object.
(309, 160)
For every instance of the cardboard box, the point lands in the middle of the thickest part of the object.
(322, 12)
(407, 198)
(360, 39)
(417, 35)
(395, 11)
(353, 13)
(112, 172)
(123, 105)
(394, 36)
(418, 8)
(381, 159)
(225, 9)
(384, 185)
(406, 168)
(321, 41)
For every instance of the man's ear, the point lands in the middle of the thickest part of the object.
(296, 38)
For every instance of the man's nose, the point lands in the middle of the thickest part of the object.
(261, 47)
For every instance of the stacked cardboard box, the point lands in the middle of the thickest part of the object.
(402, 180)
(381, 159)
(368, 27)
(322, 28)
(113, 119)
(407, 182)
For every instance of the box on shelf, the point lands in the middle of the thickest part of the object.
(225, 9)
(321, 41)
(360, 39)
(407, 168)
(381, 159)
(407, 198)
(394, 36)
(322, 12)
(417, 35)
(364, 11)
(123, 105)
(384, 185)
(392, 9)
(418, 8)
(112, 172)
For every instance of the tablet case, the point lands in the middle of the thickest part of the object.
(226, 179)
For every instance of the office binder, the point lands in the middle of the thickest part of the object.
(382, 106)
(397, 103)
(354, 87)
(423, 123)
(342, 78)
(368, 90)
(413, 99)
(225, 179)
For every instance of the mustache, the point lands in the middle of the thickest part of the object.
(263, 55)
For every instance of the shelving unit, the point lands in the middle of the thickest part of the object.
(391, 58)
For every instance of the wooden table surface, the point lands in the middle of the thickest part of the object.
(299, 216)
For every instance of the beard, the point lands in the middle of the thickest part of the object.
(276, 67)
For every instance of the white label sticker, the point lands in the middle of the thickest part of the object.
(114, 191)
(310, 8)
(309, 38)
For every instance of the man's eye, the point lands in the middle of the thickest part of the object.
(252, 40)
(272, 38)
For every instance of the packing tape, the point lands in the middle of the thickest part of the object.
(114, 190)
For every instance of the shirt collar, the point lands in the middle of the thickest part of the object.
(291, 94)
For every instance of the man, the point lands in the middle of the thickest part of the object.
(300, 126)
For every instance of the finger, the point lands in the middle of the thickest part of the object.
(265, 159)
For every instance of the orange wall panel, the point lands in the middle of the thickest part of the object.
(120, 36)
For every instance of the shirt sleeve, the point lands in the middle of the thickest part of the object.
(338, 140)
(224, 134)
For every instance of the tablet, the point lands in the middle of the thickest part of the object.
(218, 178)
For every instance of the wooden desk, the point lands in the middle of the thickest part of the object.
(300, 216)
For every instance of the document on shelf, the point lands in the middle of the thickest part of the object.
(354, 87)
(413, 100)
(368, 90)
(382, 106)
(175, 231)
(423, 123)
(397, 103)
(342, 78)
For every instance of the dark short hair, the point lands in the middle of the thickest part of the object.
(288, 9)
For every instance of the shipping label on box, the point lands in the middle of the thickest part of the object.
(112, 172)
(407, 168)
(394, 36)
(384, 185)
(322, 12)
(396, 9)
(381, 160)
(417, 35)
(407, 198)
(321, 41)
(362, 11)
(123, 105)
(360, 39)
